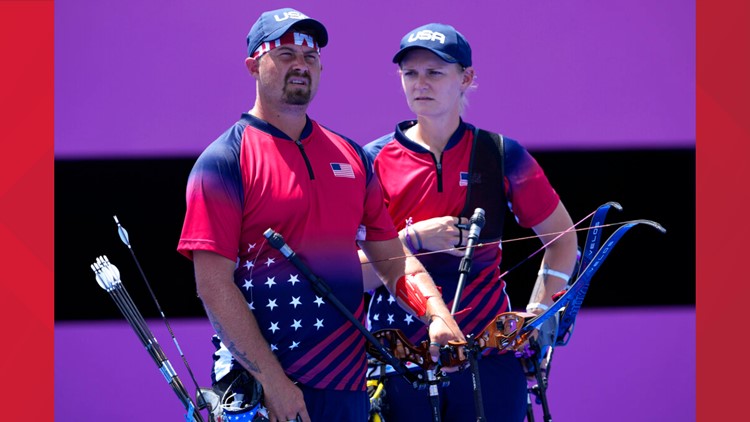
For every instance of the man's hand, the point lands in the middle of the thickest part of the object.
(284, 401)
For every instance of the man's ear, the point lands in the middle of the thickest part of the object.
(253, 66)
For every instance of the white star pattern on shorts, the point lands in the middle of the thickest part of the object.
(270, 261)
(274, 326)
(295, 301)
(270, 282)
(293, 278)
(297, 324)
(318, 323)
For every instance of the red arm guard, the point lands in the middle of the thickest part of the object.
(409, 293)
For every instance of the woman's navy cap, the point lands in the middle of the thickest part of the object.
(275, 23)
(441, 39)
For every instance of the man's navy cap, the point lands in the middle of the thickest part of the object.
(441, 39)
(275, 23)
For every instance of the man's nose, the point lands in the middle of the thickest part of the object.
(300, 63)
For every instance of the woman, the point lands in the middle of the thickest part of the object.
(426, 168)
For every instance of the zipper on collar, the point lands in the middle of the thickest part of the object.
(439, 171)
(307, 161)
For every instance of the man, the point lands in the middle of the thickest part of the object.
(278, 169)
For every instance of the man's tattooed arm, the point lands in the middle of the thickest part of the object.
(239, 355)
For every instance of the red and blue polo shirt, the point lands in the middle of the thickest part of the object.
(320, 194)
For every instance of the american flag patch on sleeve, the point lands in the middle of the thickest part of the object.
(342, 170)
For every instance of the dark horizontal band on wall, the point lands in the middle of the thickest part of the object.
(147, 195)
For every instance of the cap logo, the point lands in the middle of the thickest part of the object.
(290, 15)
(427, 35)
(304, 39)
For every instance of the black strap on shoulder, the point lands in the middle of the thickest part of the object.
(486, 186)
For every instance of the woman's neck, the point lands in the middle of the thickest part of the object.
(433, 134)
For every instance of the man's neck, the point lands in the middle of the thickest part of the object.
(289, 119)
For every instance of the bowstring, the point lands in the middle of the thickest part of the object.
(571, 229)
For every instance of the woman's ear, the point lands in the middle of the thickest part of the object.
(468, 77)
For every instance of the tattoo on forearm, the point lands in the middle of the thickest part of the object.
(240, 356)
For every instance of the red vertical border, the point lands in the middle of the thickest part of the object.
(26, 208)
(723, 202)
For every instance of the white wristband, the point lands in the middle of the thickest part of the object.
(536, 305)
(558, 274)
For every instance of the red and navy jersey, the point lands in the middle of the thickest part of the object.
(415, 186)
(321, 196)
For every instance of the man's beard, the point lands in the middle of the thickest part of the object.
(297, 94)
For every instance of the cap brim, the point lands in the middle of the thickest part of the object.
(401, 53)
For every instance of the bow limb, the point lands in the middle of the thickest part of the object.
(577, 291)
(551, 241)
(593, 237)
(511, 330)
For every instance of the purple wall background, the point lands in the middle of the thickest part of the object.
(164, 78)
(621, 365)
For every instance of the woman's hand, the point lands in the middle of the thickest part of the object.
(440, 234)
